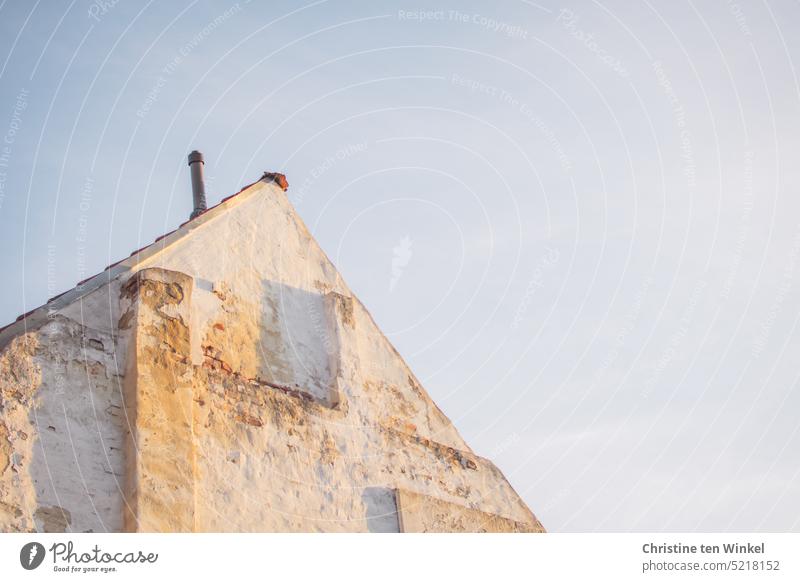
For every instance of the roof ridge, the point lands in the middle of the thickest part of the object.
(33, 319)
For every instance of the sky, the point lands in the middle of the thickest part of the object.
(578, 222)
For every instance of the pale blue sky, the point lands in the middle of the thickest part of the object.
(578, 222)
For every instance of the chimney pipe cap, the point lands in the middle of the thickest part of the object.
(196, 156)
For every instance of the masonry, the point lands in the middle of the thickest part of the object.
(226, 379)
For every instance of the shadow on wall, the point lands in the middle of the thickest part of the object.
(381, 510)
(298, 344)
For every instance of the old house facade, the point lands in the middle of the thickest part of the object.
(225, 378)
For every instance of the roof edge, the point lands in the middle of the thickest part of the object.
(38, 316)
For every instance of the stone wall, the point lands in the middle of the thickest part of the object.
(232, 382)
(256, 455)
(159, 393)
(62, 428)
(424, 514)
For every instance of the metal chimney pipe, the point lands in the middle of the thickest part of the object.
(196, 164)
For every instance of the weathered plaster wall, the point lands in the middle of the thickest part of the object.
(423, 514)
(258, 395)
(159, 392)
(259, 307)
(61, 431)
(275, 321)
(282, 462)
